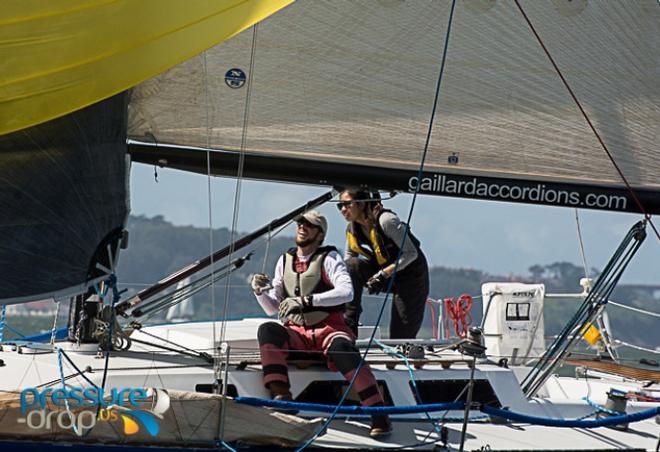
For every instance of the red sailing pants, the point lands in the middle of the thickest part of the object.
(332, 338)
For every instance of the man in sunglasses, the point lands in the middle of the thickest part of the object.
(309, 290)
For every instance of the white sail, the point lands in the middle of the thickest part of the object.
(355, 81)
(183, 310)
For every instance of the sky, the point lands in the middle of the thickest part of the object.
(497, 237)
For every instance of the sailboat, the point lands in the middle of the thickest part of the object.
(552, 103)
(184, 310)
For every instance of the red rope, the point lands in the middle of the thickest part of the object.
(458, 311)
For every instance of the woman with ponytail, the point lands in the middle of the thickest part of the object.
(378, 244)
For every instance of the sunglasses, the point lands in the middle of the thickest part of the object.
(341, 205)
(306, 224)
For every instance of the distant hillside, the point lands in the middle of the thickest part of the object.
(157, 248)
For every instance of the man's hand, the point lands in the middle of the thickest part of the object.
(291, 308)
(260, 283)
(377, 283)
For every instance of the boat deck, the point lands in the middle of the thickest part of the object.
(437, 378)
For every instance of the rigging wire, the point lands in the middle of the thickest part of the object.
(405, 235)
(153, 307)
(208, 188)
(239, 175)
(647, 216)
(181, 294)
(591, 307)
(606, 337)
(581, 242)
(234, 224)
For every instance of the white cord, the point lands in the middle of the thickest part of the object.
(641, 311)
(637, 347)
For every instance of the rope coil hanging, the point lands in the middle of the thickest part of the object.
(458, 312)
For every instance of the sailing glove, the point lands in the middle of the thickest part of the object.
(377, 283)
(260, 283)
(291, 309)
(298, 310)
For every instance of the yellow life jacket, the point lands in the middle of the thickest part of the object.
(377, 250)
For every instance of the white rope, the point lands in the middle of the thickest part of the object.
(641, 311)
(636, 347)
(580, 241)
(53, 331)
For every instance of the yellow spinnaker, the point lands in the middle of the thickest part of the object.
(59, 56)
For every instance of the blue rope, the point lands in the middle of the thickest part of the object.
(600, 407)
(572, 423)
(3, 316)
(393, 352)
(61, 333)
(487, 409)
(353, 409)
(80, 372)
(390, 284)
(227, 446)
(66, 399)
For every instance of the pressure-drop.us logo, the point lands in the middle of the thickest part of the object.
(75, 408)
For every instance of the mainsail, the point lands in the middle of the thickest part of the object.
(344, 90)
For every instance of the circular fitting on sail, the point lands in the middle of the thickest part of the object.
(569, 8)
(235, 78)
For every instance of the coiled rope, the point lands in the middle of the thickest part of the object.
(458, 312)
